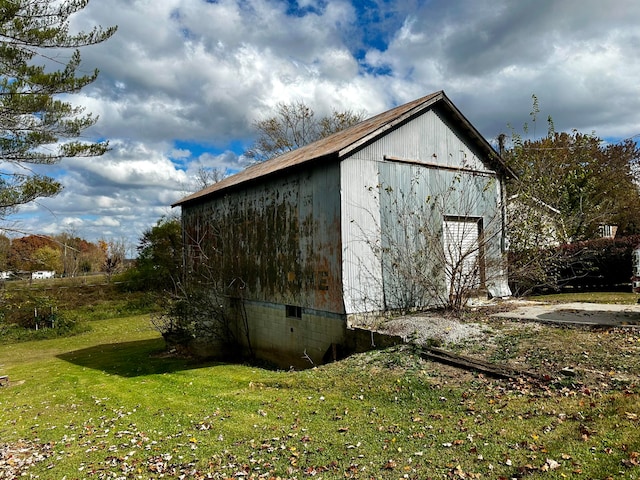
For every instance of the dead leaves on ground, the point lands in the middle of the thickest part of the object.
(395, 448)
(18, 457)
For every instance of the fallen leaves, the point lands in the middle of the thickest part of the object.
(16, 458)
(633, 460)
(550, 464)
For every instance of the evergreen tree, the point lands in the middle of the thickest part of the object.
(36, 127)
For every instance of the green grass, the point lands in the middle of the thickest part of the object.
(75, 302)
(625, 298)
(108, 404)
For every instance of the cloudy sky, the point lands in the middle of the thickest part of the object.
(182, 81)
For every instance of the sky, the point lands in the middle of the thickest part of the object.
(182, 82)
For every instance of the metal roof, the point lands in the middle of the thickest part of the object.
(342, 143)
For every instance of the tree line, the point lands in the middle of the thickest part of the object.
(65, 254)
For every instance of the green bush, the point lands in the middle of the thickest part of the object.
(600, 264)
(35, 316)
(29, 311)
(52, 326)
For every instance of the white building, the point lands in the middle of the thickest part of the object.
(42, 274)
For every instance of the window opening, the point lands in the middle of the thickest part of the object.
(294, 311)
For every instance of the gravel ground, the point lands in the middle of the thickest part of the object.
(434, 329)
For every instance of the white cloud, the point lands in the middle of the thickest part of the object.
(182, 81)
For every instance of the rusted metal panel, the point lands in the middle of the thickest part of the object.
(279, 239)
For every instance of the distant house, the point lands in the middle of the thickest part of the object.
(393, 213)
(534, 223)
(607, 231)
(42, 274)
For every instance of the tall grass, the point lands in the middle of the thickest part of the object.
(54, 308)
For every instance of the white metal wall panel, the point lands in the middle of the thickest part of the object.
(427, 138)
(461, 249)
(360, 225)
(371, 281)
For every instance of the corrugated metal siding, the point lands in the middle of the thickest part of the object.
(280, 238)
(414, 202)
(407, 222)
(428, 138)
(362, 270)
(411, 201)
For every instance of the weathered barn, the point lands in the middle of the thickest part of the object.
(401, 211)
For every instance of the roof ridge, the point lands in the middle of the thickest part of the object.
(336, 145)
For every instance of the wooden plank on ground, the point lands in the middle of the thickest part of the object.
(482, 366)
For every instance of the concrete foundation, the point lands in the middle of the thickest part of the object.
(291, 336)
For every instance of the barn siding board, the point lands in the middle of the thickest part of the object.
(362, 271)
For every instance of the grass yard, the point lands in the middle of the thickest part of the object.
(108, 404)
(623, 298)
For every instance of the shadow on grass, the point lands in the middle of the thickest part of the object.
(131, 359)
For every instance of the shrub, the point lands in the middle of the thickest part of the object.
(201, 322)
(600, 264)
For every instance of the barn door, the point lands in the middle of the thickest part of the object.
(463, 254)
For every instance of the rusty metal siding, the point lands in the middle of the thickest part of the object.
(279, 239)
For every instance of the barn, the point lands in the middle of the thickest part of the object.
(402, 211)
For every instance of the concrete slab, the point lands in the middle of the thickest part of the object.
(577, 313)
